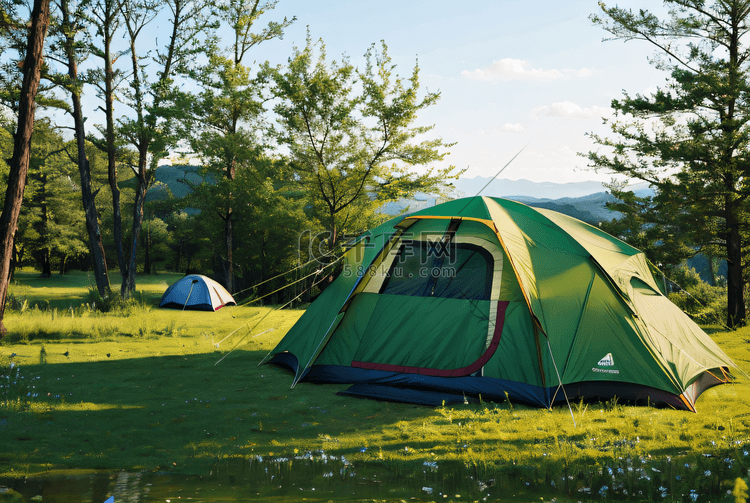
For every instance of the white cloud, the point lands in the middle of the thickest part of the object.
(518, 69)
(512, 128)
(571, 110)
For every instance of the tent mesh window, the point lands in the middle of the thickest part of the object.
(432, 269)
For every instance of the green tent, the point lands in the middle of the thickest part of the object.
(489, 296)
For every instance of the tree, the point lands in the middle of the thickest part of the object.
(157, 105)
(348, 146)
(51, 222)
(229, 107)
(19, 162)
(649, 224)
(696, 151)
(69, 49)
(106, 17)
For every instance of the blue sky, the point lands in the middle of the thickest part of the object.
(512, 74)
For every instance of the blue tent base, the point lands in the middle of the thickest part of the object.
(431, 398)
(191, 307)
(391, 385)
(428, 390)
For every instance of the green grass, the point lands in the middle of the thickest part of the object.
(142, 389)
(29, 290)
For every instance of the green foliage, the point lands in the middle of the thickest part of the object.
(51, 227)
(6, 152)
(227, 122)
(106, 304)
(351, 134)
(704, 303)
(739, 491)
(647, 225)
(690, 139)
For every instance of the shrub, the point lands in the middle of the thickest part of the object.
(705, 303)
(113, 302)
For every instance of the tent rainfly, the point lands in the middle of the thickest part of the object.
(489, 296)
(197, 292)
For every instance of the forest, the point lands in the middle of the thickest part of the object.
(282, 163)
(286, 162)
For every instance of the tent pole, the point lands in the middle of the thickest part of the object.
(189, 293)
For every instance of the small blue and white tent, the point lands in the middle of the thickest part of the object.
(198, 292)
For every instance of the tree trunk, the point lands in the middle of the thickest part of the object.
(87, 196)
(147, 251)
(19, 162)
(735, 281)
(92, 226)
(128, 280)
(46, 265)
(116, 212)
(229, 265)
(711, 271)
(109, 98)
(16, 259)
(44, 231)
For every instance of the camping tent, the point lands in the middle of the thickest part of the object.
(196, 292)
(489, 296)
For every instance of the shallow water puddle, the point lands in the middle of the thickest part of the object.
(305, 478)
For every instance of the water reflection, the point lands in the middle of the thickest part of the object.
(313, 477)
(319, 476)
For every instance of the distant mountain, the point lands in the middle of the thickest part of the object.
(591, 209)
(582, 200)
(516, 189)
(468, 187)
(176, 179)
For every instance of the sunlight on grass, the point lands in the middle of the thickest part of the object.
(85, 406)
(144, 390)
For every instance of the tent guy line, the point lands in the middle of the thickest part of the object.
(263, 318)
(500, 171)
(560, 384)
(314, 273)
(294, 269)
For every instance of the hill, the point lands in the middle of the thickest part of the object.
(582, 200)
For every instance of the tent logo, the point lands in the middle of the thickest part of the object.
(607, 361)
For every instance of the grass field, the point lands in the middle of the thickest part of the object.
(152, 390)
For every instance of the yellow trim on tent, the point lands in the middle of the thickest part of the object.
(491, 224)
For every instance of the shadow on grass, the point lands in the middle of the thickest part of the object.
(181, 424)
(178, 413)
